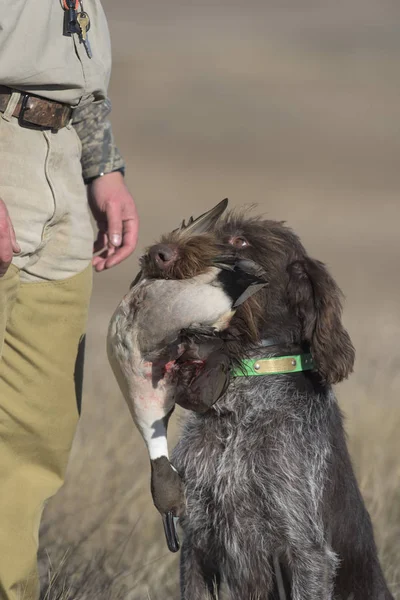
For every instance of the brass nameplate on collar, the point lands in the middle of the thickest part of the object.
(272, 365)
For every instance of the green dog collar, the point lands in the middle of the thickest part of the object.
(274, 366)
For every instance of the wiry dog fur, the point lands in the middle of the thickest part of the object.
(267, 473)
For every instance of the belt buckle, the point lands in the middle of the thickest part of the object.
(24, 106)
(61, 118)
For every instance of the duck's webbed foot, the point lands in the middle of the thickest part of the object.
(168, 497)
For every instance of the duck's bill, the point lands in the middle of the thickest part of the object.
(171, 534)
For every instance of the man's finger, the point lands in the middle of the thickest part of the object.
(15, 246)
(6, 250)
(98, 263)
(129, 243)
(114, 223)
(100, 242)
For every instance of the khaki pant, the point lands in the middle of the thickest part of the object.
(44, 299)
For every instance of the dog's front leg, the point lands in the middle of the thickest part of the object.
(313, 571)
(199, 580)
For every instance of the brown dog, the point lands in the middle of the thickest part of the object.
(267, 474)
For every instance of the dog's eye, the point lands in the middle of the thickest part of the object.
(239, 242)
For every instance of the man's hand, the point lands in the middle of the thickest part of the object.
(8, 242)
(115, 212)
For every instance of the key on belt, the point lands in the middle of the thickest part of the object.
(83, 21)
(77, 22)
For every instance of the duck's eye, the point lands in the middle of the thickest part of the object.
(239, 242)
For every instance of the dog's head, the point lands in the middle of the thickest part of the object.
(301, 304)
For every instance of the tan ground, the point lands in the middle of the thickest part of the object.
(293, 105)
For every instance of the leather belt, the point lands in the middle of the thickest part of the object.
(34, 111)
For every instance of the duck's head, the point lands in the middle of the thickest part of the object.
(168, 497)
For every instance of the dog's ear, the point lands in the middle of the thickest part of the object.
(316, 298)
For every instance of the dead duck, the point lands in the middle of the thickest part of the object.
(162, 343)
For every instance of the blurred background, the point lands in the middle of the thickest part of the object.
(292, 105)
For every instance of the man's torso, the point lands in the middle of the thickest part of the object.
(36, 57)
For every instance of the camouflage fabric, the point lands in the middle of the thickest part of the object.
(99, 152)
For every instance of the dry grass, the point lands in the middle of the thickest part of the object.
(375, 445)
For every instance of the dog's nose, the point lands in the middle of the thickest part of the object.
(163, 255)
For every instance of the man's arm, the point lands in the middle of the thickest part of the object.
(99, 152)
(110, 201)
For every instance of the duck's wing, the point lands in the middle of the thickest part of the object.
(201, 385)
(240, 278)
(205, 221)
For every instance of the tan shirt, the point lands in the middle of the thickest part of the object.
(36, 57)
